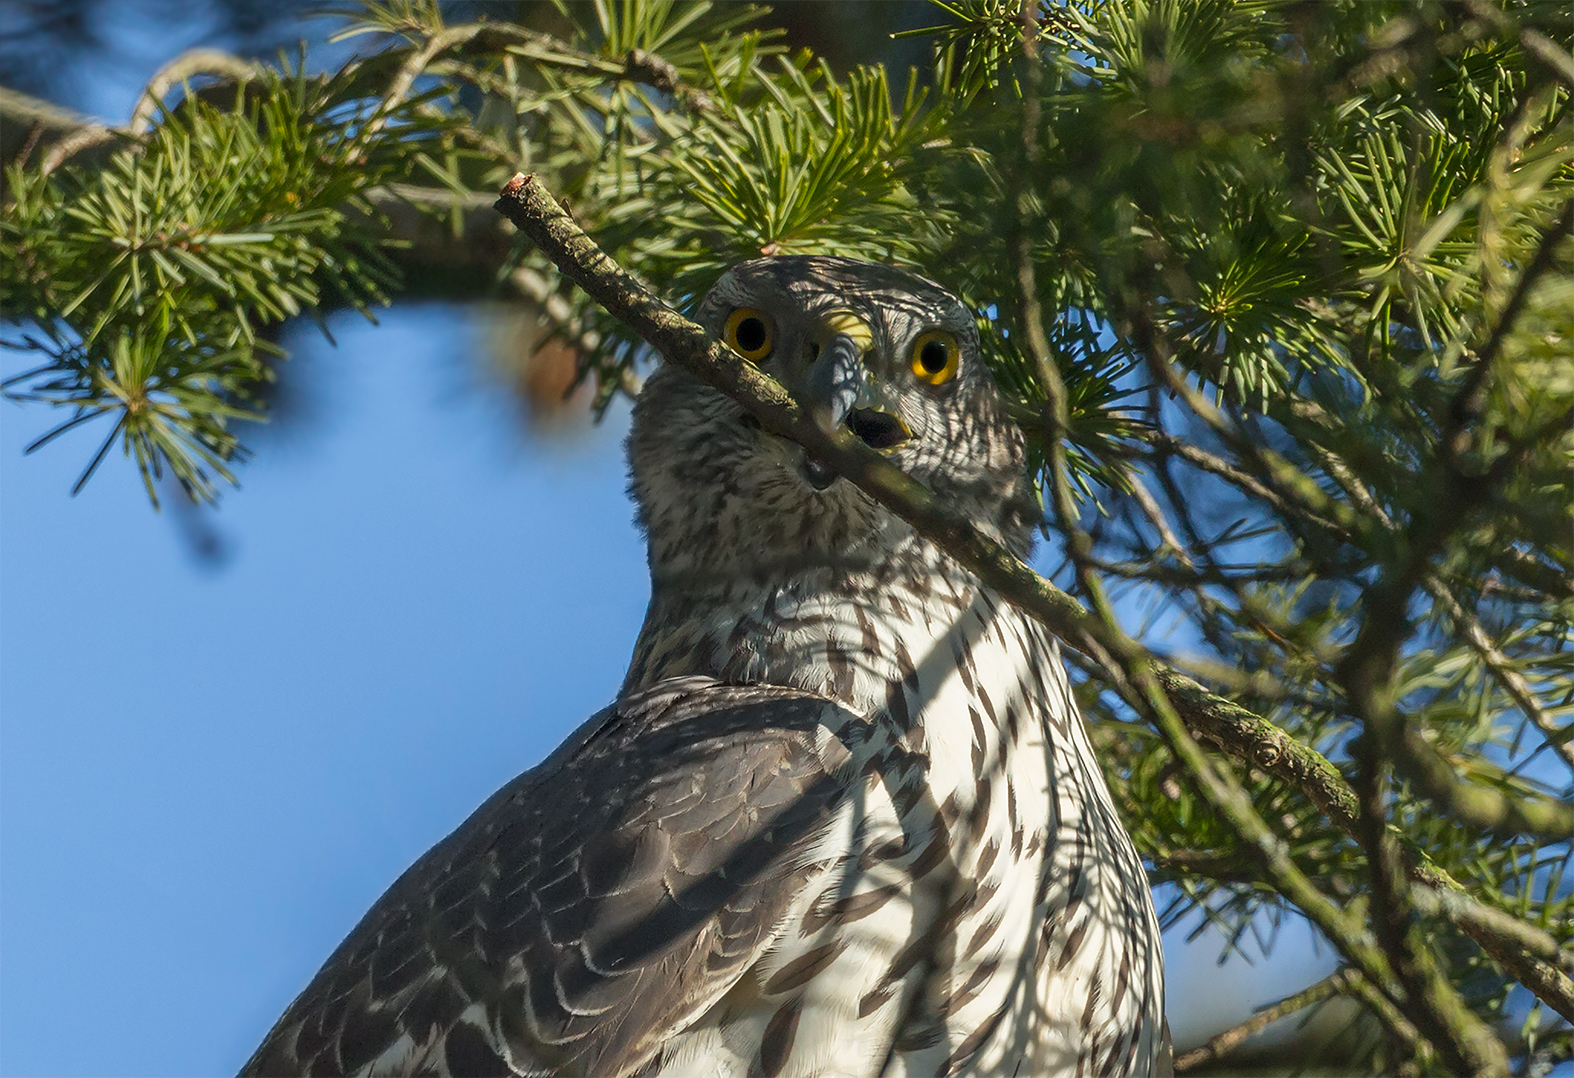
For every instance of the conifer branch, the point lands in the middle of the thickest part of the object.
(1539, 45)
(83, 134)
(527, 204)
(216, 62)
(1233, 728)
(1221, 1044)
(537, 214)
(1368, 665)
(1302, 426)
(1463, 1041)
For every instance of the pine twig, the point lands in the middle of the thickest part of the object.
(1398, 1026)
(1221, 1044)
(1206, 864)
(1534, 41)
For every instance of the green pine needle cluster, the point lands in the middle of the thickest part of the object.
(150, 282)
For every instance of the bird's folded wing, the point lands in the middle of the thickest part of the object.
(591, 907)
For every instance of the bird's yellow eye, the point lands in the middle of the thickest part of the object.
(936, 357)
(748, 332)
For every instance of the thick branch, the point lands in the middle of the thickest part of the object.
(1211, 717)
(1532, 957)
(1233, 728)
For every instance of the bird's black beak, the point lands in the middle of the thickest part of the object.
(836, 381)
(840, 392)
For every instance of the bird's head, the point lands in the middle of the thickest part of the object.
(888, 355)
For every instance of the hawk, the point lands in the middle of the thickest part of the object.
(843, 817)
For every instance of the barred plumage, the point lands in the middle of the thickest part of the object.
(844, 817)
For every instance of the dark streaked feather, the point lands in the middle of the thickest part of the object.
(592, 903)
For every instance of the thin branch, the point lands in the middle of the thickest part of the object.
(1554, 580)
(416, 63)
(1208, 864)
(1503, 669)
(1222, 1044)
(84, 133)
(535, 287)
(1398, 1025)
(1244, 481)
(1180, 576)
(1284, 486)
(189, 63)
(79, 132)
(1155, 515)
(1337, 468)
(23, 108)
(83, 138)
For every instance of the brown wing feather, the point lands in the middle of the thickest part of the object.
(590, 905)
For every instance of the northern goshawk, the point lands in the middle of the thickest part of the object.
(843, 817)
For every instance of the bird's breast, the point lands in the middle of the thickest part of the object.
(978, 904)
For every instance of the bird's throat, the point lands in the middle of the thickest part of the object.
(846, 632)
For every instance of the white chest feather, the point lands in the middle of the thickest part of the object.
(980, 909)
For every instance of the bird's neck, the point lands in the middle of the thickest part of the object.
(846, 633)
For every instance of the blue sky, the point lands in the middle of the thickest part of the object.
(209, 771)
(207, 774)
